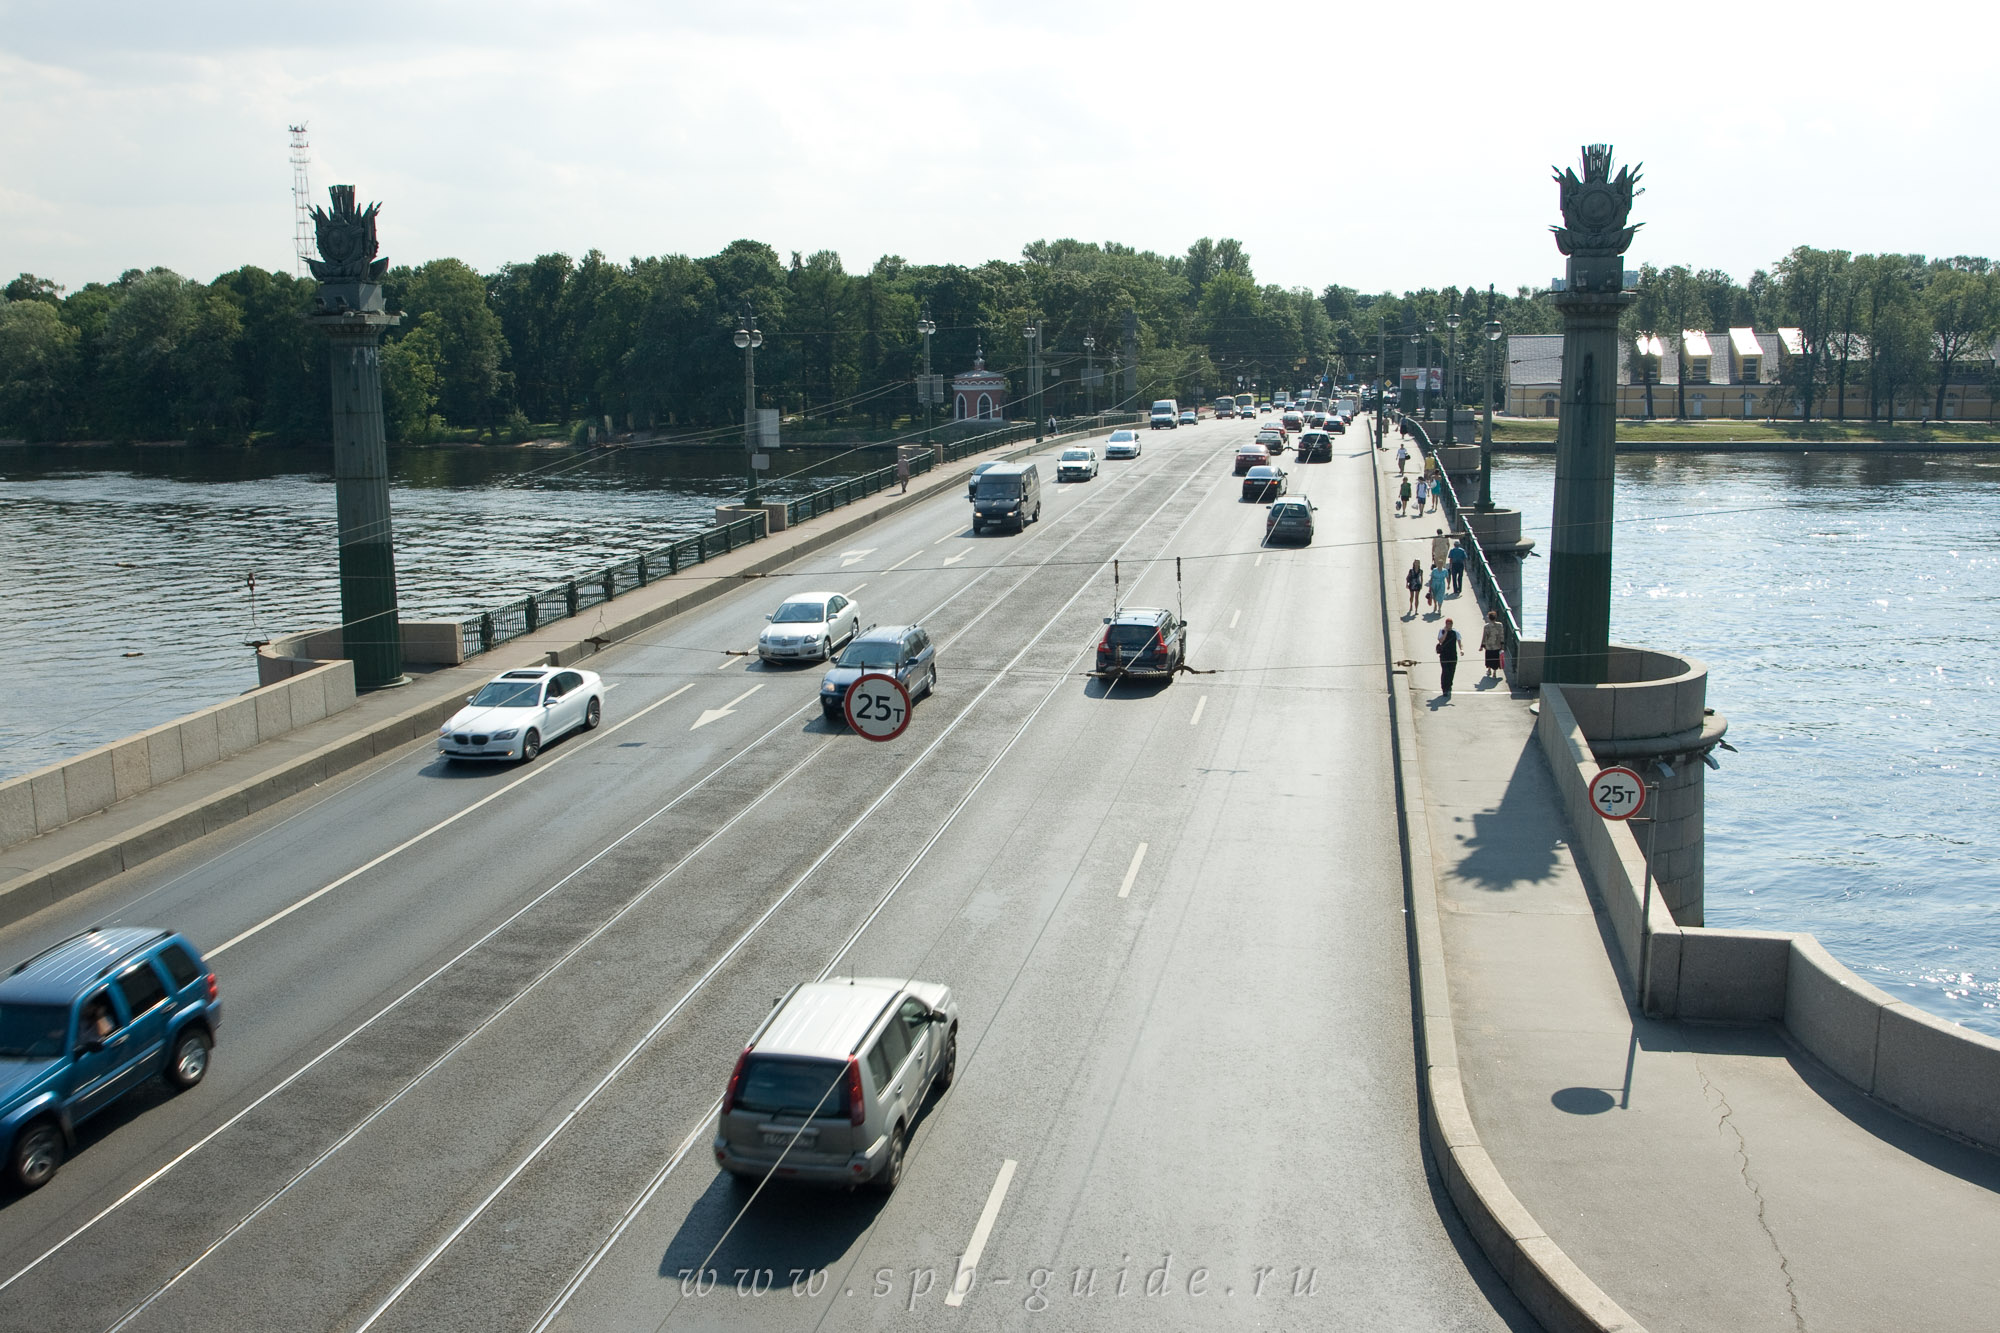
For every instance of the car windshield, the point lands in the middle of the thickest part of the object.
(872, 654)
(774, 1086)
(800, 613)
(1121, 436)
(508, 694)
(1076, 455)
(1132, 636)
(32, 1031)
(1005, 487)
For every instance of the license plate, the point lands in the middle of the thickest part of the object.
(778, 1138)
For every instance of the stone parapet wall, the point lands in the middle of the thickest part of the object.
(48, 798)
(1936, 1072)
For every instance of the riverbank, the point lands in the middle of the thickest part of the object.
(1538, 435)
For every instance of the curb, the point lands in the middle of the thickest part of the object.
(24, 895)
(1541, 1276)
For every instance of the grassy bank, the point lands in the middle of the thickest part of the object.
(1722, 434)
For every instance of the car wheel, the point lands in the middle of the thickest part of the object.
(189, 1061)
(975, 527)
(531, 745)
(930, 684)
(891, 1174)
(37, 1153)
(594, 714)
(949, 1069)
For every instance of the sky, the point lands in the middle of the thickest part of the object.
(1382, 147)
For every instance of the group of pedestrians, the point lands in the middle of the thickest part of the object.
(1427, 491)
(1446, 577)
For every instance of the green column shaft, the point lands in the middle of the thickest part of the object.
(368, 607)
(1579, 614)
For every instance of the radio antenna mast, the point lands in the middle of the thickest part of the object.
(302, 225)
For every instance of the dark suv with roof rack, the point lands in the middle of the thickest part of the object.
(86, 1021)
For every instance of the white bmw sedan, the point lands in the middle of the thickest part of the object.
(809, 627)
(518, 712)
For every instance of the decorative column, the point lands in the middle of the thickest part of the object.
(350, 310)
(1594, 236)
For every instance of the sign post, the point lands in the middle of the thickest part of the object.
(1620, 793)
(877, 707)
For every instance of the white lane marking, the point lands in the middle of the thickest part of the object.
(1199, 704)
(727, 663)
(856, 588)
(1260, 561)
(408, 843)
(954, 559)
(710, 715)
(851, 557)
(956, 532)
(1235, 616)
(968, 1263)
(904, 561)
(1138, 855)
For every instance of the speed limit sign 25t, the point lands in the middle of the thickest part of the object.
(877, 707)
(1617, 793)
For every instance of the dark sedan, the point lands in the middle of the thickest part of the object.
(1263, 483)
(1142, 641)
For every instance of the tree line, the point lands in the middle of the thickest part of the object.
(560, 344)
(1900, 328)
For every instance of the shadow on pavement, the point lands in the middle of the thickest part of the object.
(1516, 840)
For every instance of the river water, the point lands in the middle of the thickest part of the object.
(1842, 602)
(1845, 607)
(127, 569)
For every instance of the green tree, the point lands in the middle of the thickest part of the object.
(412, 378)
(38, 369)
(448, 298)
(1962, 300)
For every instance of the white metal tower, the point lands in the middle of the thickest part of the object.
(302, 224)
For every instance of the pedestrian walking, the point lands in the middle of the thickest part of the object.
(1402, 497)
(903, 470)
(1402, 458)
(1437, 586)
(1414, 581)
(1493, 639)
(1440, 548)
(1447, 650)
(1457, 558)
(1437, 492)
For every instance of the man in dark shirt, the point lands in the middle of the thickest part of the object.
(1447, 649)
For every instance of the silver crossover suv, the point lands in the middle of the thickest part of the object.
(829, 1085)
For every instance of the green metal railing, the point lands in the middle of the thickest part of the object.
(482, 631)
(1485, 588)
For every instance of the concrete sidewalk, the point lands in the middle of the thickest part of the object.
(66, 860)
(1704, 1177)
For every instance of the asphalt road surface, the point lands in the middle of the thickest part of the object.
(478, 1019)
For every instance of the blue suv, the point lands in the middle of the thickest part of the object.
(903, 651)
(85, 1022)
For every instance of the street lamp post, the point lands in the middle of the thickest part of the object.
(1033, 334)
(1430, 350)
(1090, 372)
(749, 337)
(1450, 374)
(1410, 359)
(1492, 331)
(926, 327)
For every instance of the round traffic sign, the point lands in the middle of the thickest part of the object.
(877, 707)
(1617, 793)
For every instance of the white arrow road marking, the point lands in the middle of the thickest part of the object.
(1132, 871)
(968, 1263)
(852, 557)
(954, 559)
(724, 711)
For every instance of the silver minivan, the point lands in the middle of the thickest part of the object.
(830, 1083)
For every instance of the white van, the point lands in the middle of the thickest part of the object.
(1167, 413)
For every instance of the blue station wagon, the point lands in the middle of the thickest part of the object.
(86, 1021)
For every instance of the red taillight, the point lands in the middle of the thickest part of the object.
(1104, 644)
(1160, 643)
(211, 986)
(735, 1081)
(857, 1107)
